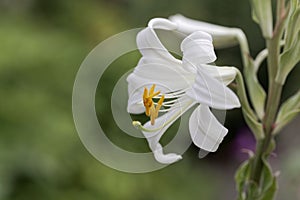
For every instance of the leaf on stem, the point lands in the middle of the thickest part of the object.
(262, 14)
(290, 55)
(248, 113)
(288, 111)
(242, 178)
(292, 28)
(256, 92)
(268, 182)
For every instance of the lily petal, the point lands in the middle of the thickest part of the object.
(135, 102)
(223, 36)
(223, 73)
(148, 42)
(162, 23)
(211, 92)
(165, 121)
(165, 158)
(168, 76)
(197, 48)
(205, 130)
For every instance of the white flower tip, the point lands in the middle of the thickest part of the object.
(202, 153)
(165, 158)
(177, 17)
(235, 102)
(238, 104)
(161, 23)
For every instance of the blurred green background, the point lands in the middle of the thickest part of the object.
(42, 44)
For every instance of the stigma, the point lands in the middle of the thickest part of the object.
(150, 109)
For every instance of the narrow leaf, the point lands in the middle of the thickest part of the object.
(262, 14)
(256, 92)
(241, 178)
(288, 111)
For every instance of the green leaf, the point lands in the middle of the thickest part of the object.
(288, 61)
(256, 92)
(242, 177)
(262, 14)
(253, 12)
(290, 55)
(254, 125)
(271, 147)
(267, 176)
(270, 193)
(248, 113)
(253, 191)
(293, 24)
(268, 182)
(288, 111)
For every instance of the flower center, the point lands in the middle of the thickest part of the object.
(150, 109)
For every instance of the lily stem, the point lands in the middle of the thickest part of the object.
(273, 101)
(268, 124)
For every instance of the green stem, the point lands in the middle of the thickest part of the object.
(269, 119)
(274, 95)
(245, 53)
(273, 60)
(280, 9)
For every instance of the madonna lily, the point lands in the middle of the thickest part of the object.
(177, 85)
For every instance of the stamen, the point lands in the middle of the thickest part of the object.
(139, 126)
(172, 95)
(156, 110)
(168, 103)
(150, 108)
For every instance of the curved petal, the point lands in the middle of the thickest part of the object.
(205, 130)
(148, 42)
(189, 26)
(165, 121)
(222, 36)
(168, 76)
(162, 23)
(211, 92)
(224, 74)
(197, 48)
(165, 158)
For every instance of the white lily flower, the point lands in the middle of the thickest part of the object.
(180, 84)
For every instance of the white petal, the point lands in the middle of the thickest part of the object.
(189, 26)
(165, 158)
(161, 23)
(206, 131)
(148, 42)
(197, 49)
(169, 76)
(135, 102)
(165, 121)
(211, 92)
(224, 74)
(223, 36)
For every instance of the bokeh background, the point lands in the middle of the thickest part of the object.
(42, 44)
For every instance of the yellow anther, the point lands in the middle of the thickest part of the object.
(150, 108)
